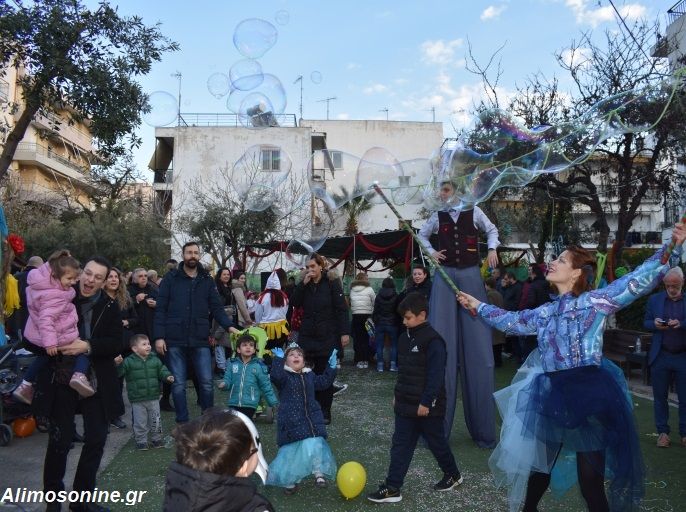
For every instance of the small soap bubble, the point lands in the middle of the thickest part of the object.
(316, 77)
(254, 37)
(282, 17)
(218, 85)
(164, 109)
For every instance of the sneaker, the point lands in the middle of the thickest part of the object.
(394, 367)
(142, 447)
(379, 367)
(290, 491)
(338, 366)
(385, 494)
(80, 383)
(338, 388)
(449, 482)
(663, 440)
(221, 384)
(117, 422)
(320, 481)
(366, 365)
(359, 365)
(23, 393)
(158, 443)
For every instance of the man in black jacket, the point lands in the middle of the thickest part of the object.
(181, 327)
(100, 333)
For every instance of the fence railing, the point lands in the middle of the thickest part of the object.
(221, 119)
(676, 11)
(31, 147)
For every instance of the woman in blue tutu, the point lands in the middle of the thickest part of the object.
(567, 414)
(301, 432)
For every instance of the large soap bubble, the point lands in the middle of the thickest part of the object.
(254, 37)
(332, 176)
(410, 185)
(164, 109)
(378, 166)
(313, 237)
(246, 74)
(218, 85)
(258, 173)
(261, 106)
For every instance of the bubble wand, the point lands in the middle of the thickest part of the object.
(434, 262)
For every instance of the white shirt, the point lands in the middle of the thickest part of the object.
(480, 222)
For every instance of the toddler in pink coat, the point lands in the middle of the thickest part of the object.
(53, 321)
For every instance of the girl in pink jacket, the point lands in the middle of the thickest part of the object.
(53, 321)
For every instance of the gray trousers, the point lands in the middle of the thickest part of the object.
(146, 419)
(470, 354)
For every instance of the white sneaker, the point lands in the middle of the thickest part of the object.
(359, 365)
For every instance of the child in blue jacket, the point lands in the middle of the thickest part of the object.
(247, 379)
(301, 432)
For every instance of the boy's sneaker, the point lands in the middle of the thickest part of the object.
(449, 482)
(379, 367)
(394, 367)
(158, 443)
(338, 388)
(359, 365)
(385, 494)
(290, 491)
(80, 383)
(141, 446)
(23, 393)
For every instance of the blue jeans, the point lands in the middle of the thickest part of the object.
(664, 366)
(201, 358)
(380, 330)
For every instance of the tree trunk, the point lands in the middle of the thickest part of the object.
(14, 138)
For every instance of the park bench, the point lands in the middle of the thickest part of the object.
(619, 346)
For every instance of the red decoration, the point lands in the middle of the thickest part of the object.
(16, 243)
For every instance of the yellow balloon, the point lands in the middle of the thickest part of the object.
(351, 479)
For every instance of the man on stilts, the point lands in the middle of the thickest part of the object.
(468, 339)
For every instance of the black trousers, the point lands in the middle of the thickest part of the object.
(61, 434)
(360, 338)
(324, 397)
(405, 436)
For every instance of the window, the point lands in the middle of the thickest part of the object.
(271, 159)
(337, 159)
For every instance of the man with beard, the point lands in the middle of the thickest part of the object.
(181, 326)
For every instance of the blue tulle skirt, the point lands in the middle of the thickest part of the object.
(297, 461)
(583, 409)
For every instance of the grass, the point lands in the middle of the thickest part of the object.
(361, 431)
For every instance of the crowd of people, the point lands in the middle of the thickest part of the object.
(94, 328)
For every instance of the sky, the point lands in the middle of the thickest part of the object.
(404, 56)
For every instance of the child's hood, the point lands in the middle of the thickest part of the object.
(41, 279)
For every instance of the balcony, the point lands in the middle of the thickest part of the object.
(164, 181)
(45, 158)
(676, 11)
(55, 125)
(4, 90)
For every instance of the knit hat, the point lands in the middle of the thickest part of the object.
(273, 282)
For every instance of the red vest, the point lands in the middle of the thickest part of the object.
(459, 239)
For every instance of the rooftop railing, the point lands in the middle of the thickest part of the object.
(221, 119)
(676, 11)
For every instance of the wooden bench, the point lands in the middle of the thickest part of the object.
(619, 343)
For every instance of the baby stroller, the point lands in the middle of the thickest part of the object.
(12, 366)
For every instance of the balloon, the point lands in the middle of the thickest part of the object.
(24, 427)
(351, 479)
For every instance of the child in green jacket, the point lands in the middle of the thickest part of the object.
(143, 374)
(247, 379)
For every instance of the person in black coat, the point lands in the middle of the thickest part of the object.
(386, 322)
(420, 282)
(100, 330)
(324, 323)
(144, 297)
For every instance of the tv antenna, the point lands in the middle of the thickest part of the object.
(385, 109)
(327, 100)
(300, 79)
(433, 113)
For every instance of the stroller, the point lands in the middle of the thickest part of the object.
(12, 367)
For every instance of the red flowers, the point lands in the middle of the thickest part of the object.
(16, 243)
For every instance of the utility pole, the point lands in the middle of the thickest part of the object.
(385, 109)
(300, 79)
(178, 75)
(332, 98)
(433, 113)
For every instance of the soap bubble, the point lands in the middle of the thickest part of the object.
(282, 17)
(378, 166)
(332, 177)
(269, 95)
(218, 85)
(246, 74)
(316, 77)
(258, 174)
(312, 239)
(164, 109)
(410, 186)
(254, 37)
